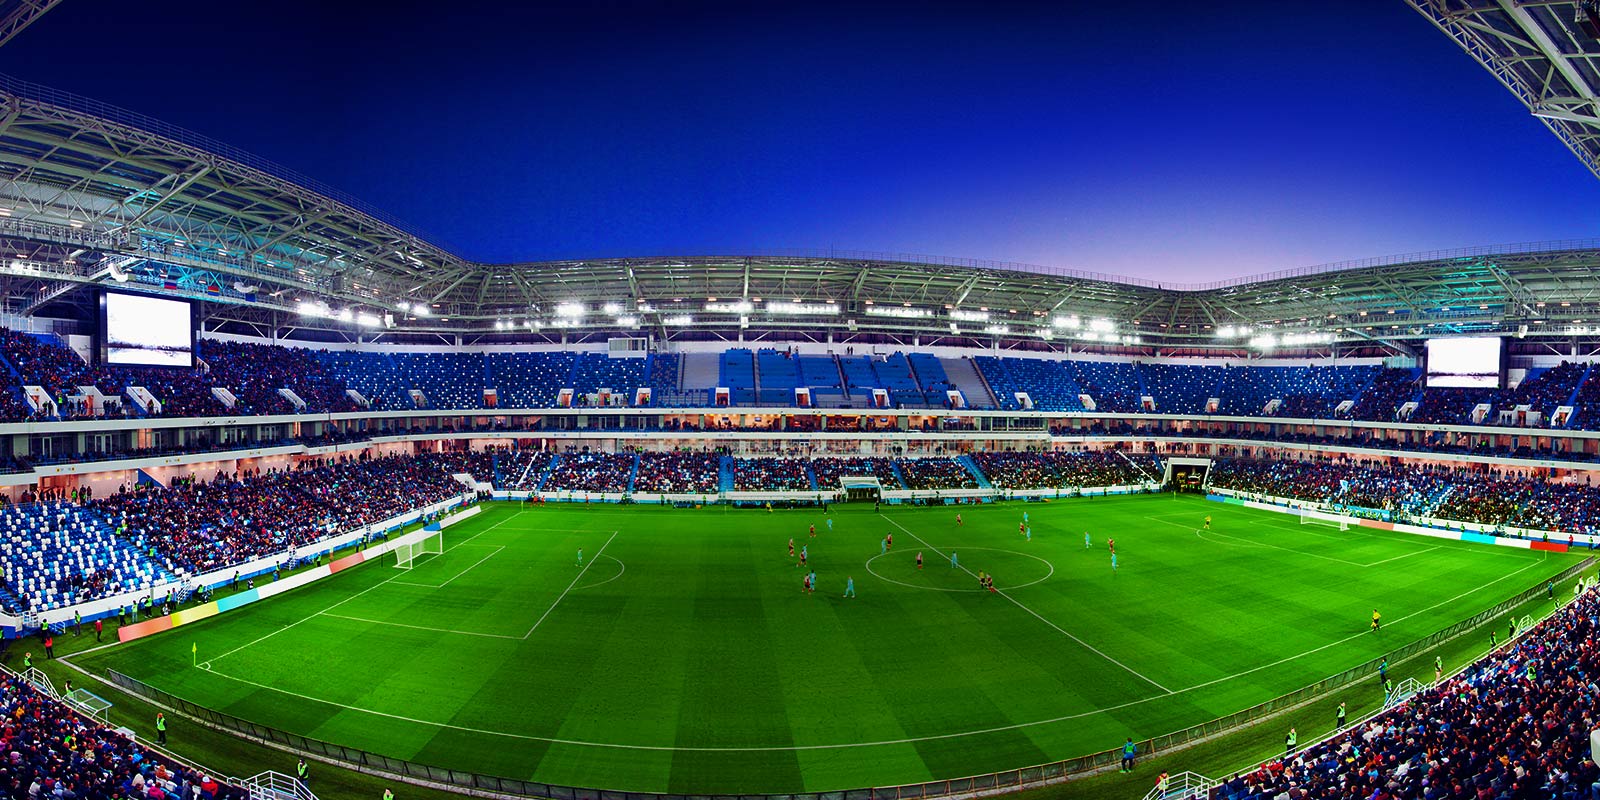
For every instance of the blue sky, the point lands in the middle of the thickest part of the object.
(1165, 142)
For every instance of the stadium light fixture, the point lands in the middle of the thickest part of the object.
(902, 312)
(969, 316)
(1102, 325)
(570, 310)
(678, 320)
(997, 329)
(420, 310)
(346, 315)
(1226, 332)
(803, 309)
(612, 308)
(1069, 322)
(368, 320)
(730, 307)
(628, 321)
(1265, 341)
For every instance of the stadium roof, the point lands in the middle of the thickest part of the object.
(1546, 53)
(94, 195)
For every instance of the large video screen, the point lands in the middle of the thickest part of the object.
(1466, 362)
(148, 331)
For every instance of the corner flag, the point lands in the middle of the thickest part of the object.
(194, 650)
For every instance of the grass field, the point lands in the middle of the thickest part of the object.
(683, 657)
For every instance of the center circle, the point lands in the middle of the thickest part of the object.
(943, 563)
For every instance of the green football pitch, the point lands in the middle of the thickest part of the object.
(682, 656)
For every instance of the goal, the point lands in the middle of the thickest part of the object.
(1310, 518)
(414, 546)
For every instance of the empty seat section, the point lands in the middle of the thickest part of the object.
(527, 380)
(1247, 390)
(1047, 383)
(894, 375)
(662, 378)
(1113, 385)
(821, 374)
(1180, 388)
(931, 377)
(596, 371)
(859, 377)
(737, 372)
(447, 380)
(777, 375)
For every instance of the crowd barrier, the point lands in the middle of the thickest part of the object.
(992, 783)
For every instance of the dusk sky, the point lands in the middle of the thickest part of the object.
(1165, 141)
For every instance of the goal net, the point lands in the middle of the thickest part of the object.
(417, 545)
(1310, 518)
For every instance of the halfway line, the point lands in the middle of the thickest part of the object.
(1091, 648)
(563, 594)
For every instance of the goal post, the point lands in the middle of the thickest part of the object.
(417, 544)
(1308, 517)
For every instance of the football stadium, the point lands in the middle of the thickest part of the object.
(298, 503)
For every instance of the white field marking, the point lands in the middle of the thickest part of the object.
(621, 568)
(1249, 543)
(1202, 534)
(497, 549)
(1352, 637)
(1406, 555)
(208, 661)
(419, 627)
(563, 594)
(1064, 632)
(964, 591)
(841, 745)
(1397, 536)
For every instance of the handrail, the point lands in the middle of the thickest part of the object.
(976, 785)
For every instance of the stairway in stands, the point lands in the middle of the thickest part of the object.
(964, 374)
(972, 467)
(725, 474)
(545, 475)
